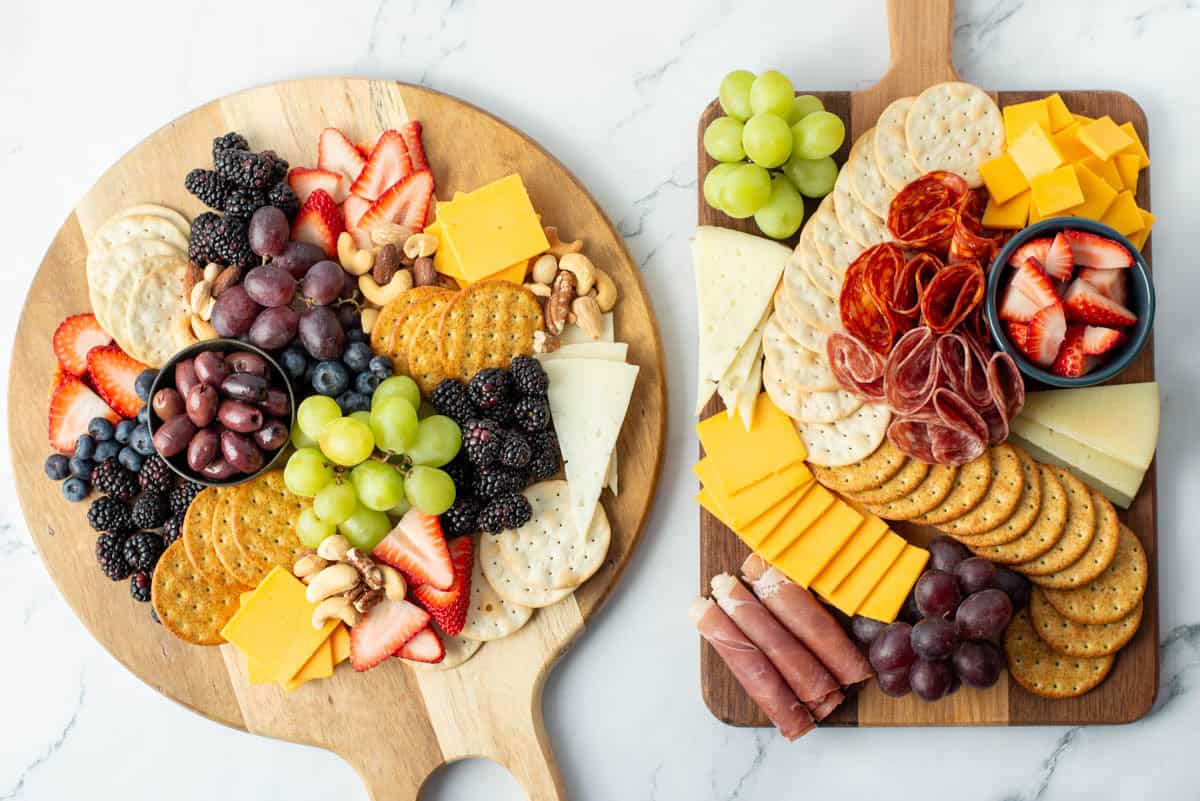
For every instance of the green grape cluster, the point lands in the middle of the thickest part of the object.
(774, 148)
(364, 469)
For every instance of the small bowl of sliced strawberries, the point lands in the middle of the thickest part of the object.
(1071, 301)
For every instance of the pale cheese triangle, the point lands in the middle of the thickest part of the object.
(748, 394)
(732, 385)
(574, 335)
(1118, 420)
(588, 401)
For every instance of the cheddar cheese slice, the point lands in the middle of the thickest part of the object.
(1060, 115)
(1123, 214)
(1057, 190)
(888, 596)
(1104, 138)
(807, 511)
(318, 666)
(1137, 147)
(741, 457)
(1019, 116)
(1097, 194)
(1139, 237)
(1128, 166)
(852, 553)
(1003, 178)
(1011, 214)
(858, 585)
(805, 558)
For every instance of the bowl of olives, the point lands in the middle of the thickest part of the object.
(221, 412)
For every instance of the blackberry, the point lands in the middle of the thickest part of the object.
(202, 248)
(505, 512)
(283, 198)
(488, 388)
(460, 518)
(141, 550)
(450, 398)
(231, 240)
(107, 513)
(528, 376)
(155, 475)
(173, 528)
(496, 481)
(532, 414)
(211, 188)
(481, 441)
(110, 555)
(243, 168)
(279, 166)
(180, 498)
(230, 141)
(461, 473)
(546, 457)
(139, 587)
(112, 479)
(515, 450)
(150, 510)
(244, 202)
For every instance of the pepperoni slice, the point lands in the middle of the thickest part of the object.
(911, 283)
(856, 367)
(923, 215)
(863, 302)
(951, 296)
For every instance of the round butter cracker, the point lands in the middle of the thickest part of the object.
(1097, 558)
(848, 440)
(954, 126)
(891, 145)
(866, 474)
(866, 183)
(490, 617)
(970, 485)
(1077, 533)
(1034, 492)
(189, 606)
(1003, 495)
(1080, 639)
(1114, 593)
(1043, 671)
(929, 494)
(548, 551)
(510, 586)
(264, 521)
(487, 325)
(903, 481)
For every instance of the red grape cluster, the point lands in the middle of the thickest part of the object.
(950, 628)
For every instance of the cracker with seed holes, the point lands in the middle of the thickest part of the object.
(954, 126)
(836, 246)
(510, 586)
(801, 368)
(190, 606)
(867, 228)
(549, 551)
(928, 495)
(1043, 671)
(236, 564)
(970, 485)
(1036, 491)
(1077, 534)
(158, 323)
(805, 406)
(891, 145)
(490, 617)
(264, 520)
(865, 474)
(866, 184)
(458, 651)
(1080, 639)
(848, 440)
(126, 228)
(903, 481)
(487, 325)
(1111, 595)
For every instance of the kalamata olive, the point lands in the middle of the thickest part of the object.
(240, 416)
(272, 435)
(243, 361)
(211, 368)
(218, 470)
(203, 448)
(167, 403)
(276, 403)
(202, 404)
(245, 386)
(185, 376)
(241, 452)
(173, 436)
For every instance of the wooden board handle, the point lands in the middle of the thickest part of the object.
(921, 35)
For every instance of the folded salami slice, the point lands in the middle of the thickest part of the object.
(856, 367)
(806, 618)
(951, 296)
(911, 374)
(752, 669)
(809, 679)
(924, 214)
(911, 282)
(949, 431)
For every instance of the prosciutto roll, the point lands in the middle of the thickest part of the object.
(809, 679)
(810, 622)
(752, 669)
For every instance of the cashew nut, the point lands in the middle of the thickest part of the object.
(308, 564)
(390, 234)
(541, 290)
(382, 295)
(606, 291)
(333, 580)
(367, 318)
(394, 585)
(545, 268)
(587, 316)
(202, 328)
(353, 260)
(584, 270)
(211, 271)
(333, 548)
(559, 247)
(335, 607)
(419, 245)
(200, 297)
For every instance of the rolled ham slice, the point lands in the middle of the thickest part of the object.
(802, 671)
(824, 708)
(811, 623)
(752, 669)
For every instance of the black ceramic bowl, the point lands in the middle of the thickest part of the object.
(166, 378)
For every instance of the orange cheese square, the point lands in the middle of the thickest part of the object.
(1137, 146)
(1035, 215)
(1128, 167)
(755, 532)
(1060, 115)
(1082, 119)
(1104, 138)
(888, 596)
(852, 553)
(1138, 237)
(1105, 169)
(747, 504)
(1034, 152)
(318, 666)
(812, 551)
(492, 228)
(1057, 190)
(854, 589)
(1003, 178)
(1123, 214)
(1097, 194)
(815, 502)
(340, 639)
(742, 457)
(1019, 116)
(1011, 214)
(1068, 144)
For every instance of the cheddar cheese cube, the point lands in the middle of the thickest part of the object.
(1137, 146)
(1003, 178)
(1104, 138)
(1068, 144)
(741, 457)
(1106, 170)
(1097, 194)
(1123, 214)
(1034, 152)
(1019, 116)
(1128, 167)
(1138, 238)
(1011, 214)
(1057, 190)
(1035, 215)
(1060, 115)
(492, 228)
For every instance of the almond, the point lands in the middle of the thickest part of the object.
(387, 262)
(227, 278)
(191, 276)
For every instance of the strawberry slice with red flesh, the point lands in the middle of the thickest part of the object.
(1018, 334)
(407, 203)
(1032, 281)
(1070, 360)
(1085, 304)
(388, 164)
(1016, 306)
(1093, 250)
(417, 548)
(449, 607)
(1098, 340)
(72, 407)
(365, 146)
(335, 152)
(304, 181)
(411, 131)
(319, 222)
(74, 339)
(384, 629)
(353, 208)
(1046, 333)
(1112, 284)
(1037, 248)
(114, 374)
(425, 647)
(1059, 263)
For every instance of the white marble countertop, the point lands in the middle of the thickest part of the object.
(613, 89)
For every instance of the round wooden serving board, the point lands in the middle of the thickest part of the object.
(394, 724)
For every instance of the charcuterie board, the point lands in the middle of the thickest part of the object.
(395, 725)
(921, 48)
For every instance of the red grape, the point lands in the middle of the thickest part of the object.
(931, 680)
(866, 629)
(936, 594)
(892, 649)
(321, 334)
(934, 638)
(274, 328)
(268, 232)
(323, 283)
(984, 615)
(946, 552)
(349, 315)
(297, 257)
(234, 312)
(269, 285)
(978, 663)
(894, 683)
(1015, 586)
(975, 574)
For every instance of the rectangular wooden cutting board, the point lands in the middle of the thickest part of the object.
(1129, 691)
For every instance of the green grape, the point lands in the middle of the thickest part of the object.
(399, 510)
(735, 94)
(723, 139)
(818, 135)
(784, 212)
(813, 177)
(430, 490)
(300, 439)
(314, 413)
(311, 529)
(307, 472)
(361, 415)
(767, 140)
(746, 190)
(394, 424)
(802, 106)
(771, 93)
(715, 183)
(397, 386)
(438, 441)
(365, 528)
(379, 486)
(347, 441)
(335, 502)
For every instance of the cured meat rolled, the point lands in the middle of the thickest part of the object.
(752, 669)
(810, 622)
(809, 679)
(824, 708)
(856, 367)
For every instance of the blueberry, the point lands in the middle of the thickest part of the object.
(107, 450)
(143, 415)
(308, 373)
(380, 366)
(130, 459)
(85, 447)
(356, 335)
(366, 383)
(82, 468)
(58, 466)
(353, 402)
(357, 356)
(141, 440)
(124, 430)
(293, 361)
(75, 489)
(100, 429)
(330, 378)
(142, 384)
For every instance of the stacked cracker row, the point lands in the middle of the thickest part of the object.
(1089, 571)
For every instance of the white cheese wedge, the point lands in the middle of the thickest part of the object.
(574, 335)
(742, 382)
(1116, 480)
(1120, 421)
(588, 401)
(610, 351)
(736, 275)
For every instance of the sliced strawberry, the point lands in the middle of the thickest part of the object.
(365, 146)
(1070, 362)
(1037, 248)
(406, 203)
(1098, 339)
(319, 222)
(425, 647)
(1059, 262)
(1031, 281)
(1018, 334)
(72, 407)
(1046, 333)
(1112, 284)
(353, 208)
(74, 338)
(338, 154)
(417, 548)
(383, 631)
(1093, 250)
(411, 131)
(304, 181)
(1016, 306)
(114, 373)
(1085, 304)
(388, 164)
(449, 607)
